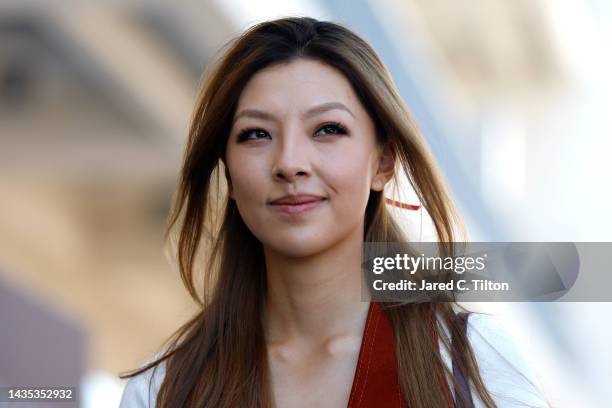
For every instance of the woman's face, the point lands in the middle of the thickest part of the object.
(300, 132)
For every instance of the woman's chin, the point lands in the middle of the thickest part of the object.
(296, 247)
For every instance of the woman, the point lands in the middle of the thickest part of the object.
(304, 121)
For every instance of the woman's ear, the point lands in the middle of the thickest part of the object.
(386, 168)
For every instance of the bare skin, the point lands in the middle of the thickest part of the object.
(315, 326)
(314, 317)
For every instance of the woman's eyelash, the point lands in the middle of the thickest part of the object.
(243, 134)
(340, 129)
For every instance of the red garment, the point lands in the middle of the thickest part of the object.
(376, 382)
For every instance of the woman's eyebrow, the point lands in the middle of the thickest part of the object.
(254, 113)
(324, 107)
(316, 110)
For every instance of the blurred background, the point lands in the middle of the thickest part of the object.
(513, 96)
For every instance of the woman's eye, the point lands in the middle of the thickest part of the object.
(251, 134)
(333, 129)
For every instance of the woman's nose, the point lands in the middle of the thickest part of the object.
(291, 160)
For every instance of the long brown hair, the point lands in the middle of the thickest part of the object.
(219, 357)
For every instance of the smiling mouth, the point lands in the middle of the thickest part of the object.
(293, 209)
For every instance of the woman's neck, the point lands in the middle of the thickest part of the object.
(315, 299)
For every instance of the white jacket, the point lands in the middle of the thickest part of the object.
(508, 378)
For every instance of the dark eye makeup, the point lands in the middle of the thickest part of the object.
(246, 134)
(334, 128)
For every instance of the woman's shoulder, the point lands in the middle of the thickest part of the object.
(141, 390)
(505, 372)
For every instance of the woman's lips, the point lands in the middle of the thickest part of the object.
(295, 209)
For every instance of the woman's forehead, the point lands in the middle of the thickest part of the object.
(301, 84)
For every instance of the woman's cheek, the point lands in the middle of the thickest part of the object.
(352, 181)
(248, 193)
(348, 203)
